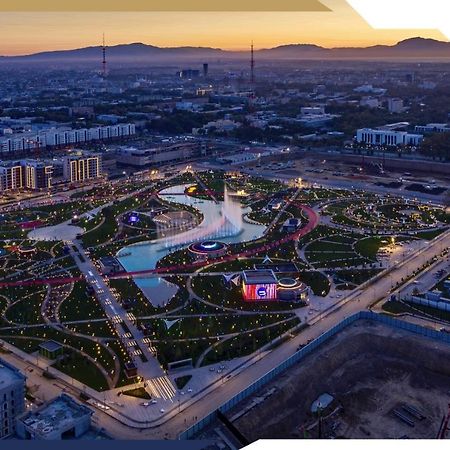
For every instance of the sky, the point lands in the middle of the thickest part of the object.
(25, 33)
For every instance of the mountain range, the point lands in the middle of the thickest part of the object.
(416, 48)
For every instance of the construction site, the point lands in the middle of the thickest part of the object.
(370, 381)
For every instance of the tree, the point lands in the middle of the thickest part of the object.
(437, 146)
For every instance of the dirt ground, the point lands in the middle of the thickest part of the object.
(371, 370)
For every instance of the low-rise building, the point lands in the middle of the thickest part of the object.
(387, 137)
(61, 418)
(51, 350)
(291, 225)
(259, 285)
(161, 154)
(433, 128)
(109, 265)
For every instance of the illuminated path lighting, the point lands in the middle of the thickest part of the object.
(313, 221)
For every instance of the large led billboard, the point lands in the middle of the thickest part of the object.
(259, 292)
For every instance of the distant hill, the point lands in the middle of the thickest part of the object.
(409, 48)
(139, 53)
(122, 52)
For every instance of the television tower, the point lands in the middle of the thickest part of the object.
(104, 68)
(252, 65)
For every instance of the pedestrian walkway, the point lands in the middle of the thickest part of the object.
(161, 387)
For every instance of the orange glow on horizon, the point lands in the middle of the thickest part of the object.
(25, 33)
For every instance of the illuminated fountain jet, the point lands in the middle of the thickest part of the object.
(228, 223)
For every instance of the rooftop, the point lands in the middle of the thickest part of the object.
(9, 374)
(58, 414)
(259, 277)
(51, 346)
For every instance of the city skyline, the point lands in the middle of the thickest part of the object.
(26, 33)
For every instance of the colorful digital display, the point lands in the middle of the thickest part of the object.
(259, 292)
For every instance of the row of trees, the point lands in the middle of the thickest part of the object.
(437, 146)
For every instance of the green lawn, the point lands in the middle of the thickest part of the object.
(80, 305)
(246, 343)
(369, 247)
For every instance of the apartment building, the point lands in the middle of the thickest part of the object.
(61, 137)
(82, 166)
(12, 398)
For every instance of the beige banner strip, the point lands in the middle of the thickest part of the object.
(160, 5)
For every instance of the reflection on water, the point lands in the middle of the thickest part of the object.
(221, 220)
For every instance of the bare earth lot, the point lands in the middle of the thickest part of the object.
(370, 369)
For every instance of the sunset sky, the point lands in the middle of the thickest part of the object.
(23, 33)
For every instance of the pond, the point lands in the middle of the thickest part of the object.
(221, 220)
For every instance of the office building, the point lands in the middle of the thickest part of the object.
(12, 398)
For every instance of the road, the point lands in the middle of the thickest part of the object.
(328, 180)
(261, 364)
(117, 314)
(172, 423)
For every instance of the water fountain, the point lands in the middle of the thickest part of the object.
(227, 223)
(222, 220)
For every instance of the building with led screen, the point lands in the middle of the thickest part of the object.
(259, 285)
